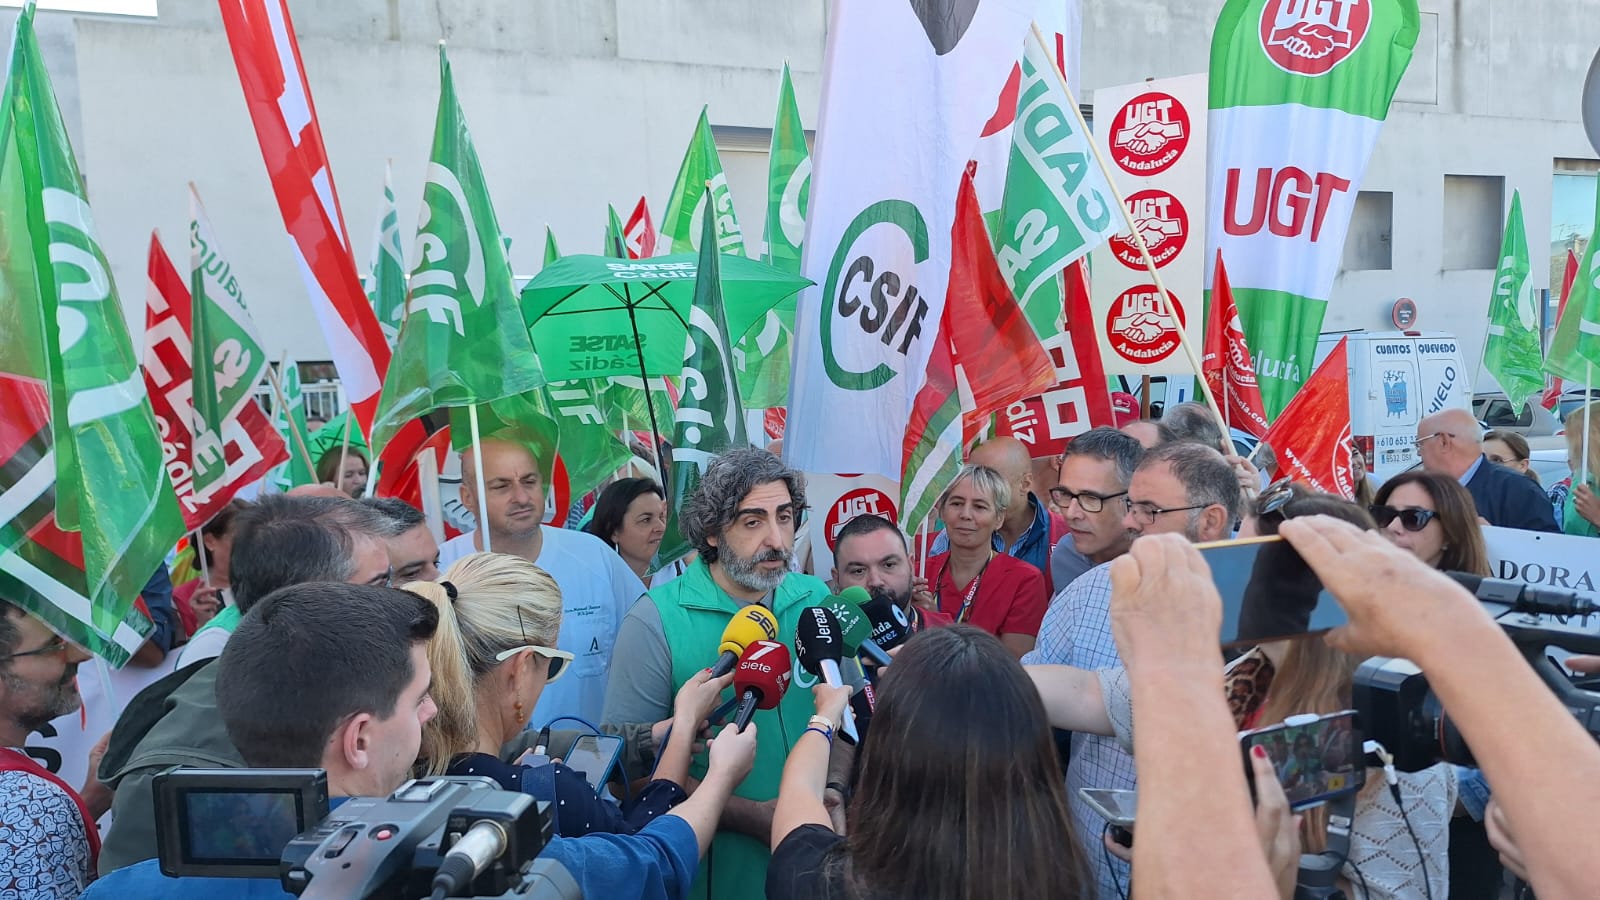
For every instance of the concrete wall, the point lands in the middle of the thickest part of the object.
(583, 102)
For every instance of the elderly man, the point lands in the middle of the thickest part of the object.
(1030, 529)
(742, 520)
(1184, 488)
(1451, 443)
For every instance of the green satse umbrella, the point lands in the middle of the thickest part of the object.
(595, 316)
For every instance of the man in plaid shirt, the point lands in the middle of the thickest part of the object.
(1185, 488)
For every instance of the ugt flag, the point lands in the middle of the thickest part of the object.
(906, 91)
(1312, 434)
(1226, 361)
(1299, 91)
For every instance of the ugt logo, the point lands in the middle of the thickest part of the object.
(1149, 133)
(1310, 37)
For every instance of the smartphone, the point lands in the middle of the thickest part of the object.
(1268, 591)
(595, 755)
(1117, 808)
(1317, 758)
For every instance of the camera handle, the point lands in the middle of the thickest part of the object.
(1318, 878)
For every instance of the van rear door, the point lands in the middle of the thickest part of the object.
(1394, 399)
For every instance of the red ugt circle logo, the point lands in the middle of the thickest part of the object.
(1163, 221)
(1139, 329)
(1149, 133)
(1310, 37)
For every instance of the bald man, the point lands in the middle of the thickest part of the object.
(1030, 530)
(1450, 443)
(1145, 431)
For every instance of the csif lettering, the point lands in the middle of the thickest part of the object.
(862, 292)
(1282, 201)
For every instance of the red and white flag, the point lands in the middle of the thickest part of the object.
(1552, 394)
(1312, 434)
(639, 235)
(1226, 362)
(250, 445)
(275, 90)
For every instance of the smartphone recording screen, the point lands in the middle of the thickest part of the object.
(1268, 592)
(1315, 761)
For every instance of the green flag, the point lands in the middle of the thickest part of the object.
(761, 356)
(710, 419)
(289, 418)
(1047, 219)
(680, 226)
(1512, 351)
(616, 243)
(227, 354)
(551, 251)
(386, 285)
(1563, 360)
(463, 341)
(559, 419)
(110, 483)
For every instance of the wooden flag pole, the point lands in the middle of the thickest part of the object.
(477, 471)
(299, 439)
(344, 449)
(1144, 251)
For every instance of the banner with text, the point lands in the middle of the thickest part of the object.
(1153, 135)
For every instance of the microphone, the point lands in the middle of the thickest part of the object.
(857, 633)
(760, 679)
(748, 625)
(819, 646)
(1525, 598)
(889, 625)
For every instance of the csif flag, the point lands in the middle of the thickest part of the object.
(1312, 434)
(1512, 352)
(1569, 274)
(640, 232)
(267, 56)
(386, 285)
(250, 446)
(986, 358)
(710, 420)
(86, 510)
(464, 341)
(225, 342)
(907, 88)
(689, 204)
(1299, 90)
(1225, 361)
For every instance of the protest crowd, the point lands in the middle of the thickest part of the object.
(716, 666)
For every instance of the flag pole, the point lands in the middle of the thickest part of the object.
(1138, 240)
(344, 448)
(922, 549)
(482, 511)
(283, 404)
(1588, 401)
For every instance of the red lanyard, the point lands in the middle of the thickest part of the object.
(972, 589)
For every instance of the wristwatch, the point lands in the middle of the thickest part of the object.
(824, 722)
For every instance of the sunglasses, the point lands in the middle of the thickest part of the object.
(558, 659)
(1411, 518)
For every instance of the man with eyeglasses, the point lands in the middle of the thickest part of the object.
(48, 839)
(1095, 468)
(1450, 443)
(280, 540)
(1184, 488)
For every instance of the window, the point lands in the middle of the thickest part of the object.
(1369, 244)
(1474, 212)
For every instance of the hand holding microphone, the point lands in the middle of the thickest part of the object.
(760, 678)
(819, 645)
(751, 624)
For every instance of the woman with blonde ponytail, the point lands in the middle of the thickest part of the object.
(492, 655)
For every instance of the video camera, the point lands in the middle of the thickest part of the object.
(1398, 710)
(434, 837)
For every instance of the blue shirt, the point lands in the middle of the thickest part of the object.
(658, 863)
(1033, 547)
(1467, 475)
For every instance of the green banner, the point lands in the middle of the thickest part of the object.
(386, 285)
(680, 225)
(1512, 352)
(464, 341)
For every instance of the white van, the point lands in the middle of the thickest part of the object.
(1397, 378)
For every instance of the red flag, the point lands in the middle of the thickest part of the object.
(640, 233)
(401, 473)
(1079, 400)
(250, 445)
(275, 90)
(1552, 394)
(1226, 363)
(995, 348)
(1312, 434)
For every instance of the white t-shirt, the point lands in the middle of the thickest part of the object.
(205, 644)
(597, 589)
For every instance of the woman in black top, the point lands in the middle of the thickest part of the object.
(492, 655)
(960, 792)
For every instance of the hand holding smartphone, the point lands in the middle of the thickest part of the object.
(1317, 758)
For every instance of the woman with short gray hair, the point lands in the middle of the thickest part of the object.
(974, 582)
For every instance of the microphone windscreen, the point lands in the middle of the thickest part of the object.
(889, 626)
(856, 595)
(817, 637)
(765, 670)
(853, 629)
(748, 625)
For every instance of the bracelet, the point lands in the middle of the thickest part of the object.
(826, 733)
(823, 722)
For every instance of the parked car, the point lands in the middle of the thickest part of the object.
(1572, 400)
(1539, 425)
